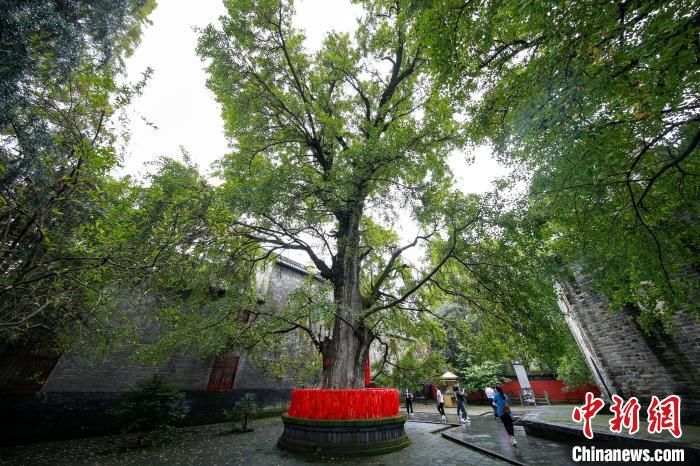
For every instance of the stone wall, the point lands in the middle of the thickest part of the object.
(629, 362)
(80, 392)
(279, 281)
(80, 373)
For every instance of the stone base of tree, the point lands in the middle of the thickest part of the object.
(353, 437)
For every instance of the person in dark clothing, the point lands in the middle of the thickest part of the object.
(502, 405)
(461, 401)
(409, 402)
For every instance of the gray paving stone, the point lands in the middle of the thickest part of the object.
(488, 434)
(212, 445)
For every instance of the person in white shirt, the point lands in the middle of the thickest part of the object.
(440, 404)
(490, 392)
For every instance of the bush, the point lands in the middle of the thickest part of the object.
(151, 409)
(478, 376)
(246, 408)
(573, 370)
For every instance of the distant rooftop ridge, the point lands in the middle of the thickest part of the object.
(292, 264)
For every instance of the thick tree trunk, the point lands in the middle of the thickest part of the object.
(344, 355)
(344, 360)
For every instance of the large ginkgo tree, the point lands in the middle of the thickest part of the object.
(331, 150)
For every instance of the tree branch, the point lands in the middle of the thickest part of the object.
(683, 155)
(427, 277)
(373, 295)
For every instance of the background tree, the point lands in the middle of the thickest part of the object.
(173, 281)
(499, 286)
(150, 409)
(573, 370)
(58, 92)
(246, 408)
(598, 103)
(417, 365)
(479, 376)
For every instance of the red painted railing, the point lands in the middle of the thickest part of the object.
(367, 403)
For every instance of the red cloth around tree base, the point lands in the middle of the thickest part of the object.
(343, 404)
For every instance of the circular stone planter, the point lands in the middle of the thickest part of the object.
(351, 437)
(352, 422)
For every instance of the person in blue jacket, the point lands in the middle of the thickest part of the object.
(502, 405)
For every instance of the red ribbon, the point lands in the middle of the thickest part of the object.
(339, 404)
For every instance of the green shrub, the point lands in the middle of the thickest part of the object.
(478, 376)
(150, 409)
(244, 409)
(573, 370)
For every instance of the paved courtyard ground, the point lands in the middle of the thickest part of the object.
(432, 443)
(213, 445)
(488, 434)
(431, 407)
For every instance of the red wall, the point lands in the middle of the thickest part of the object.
(555, 389)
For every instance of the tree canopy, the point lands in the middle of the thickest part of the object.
(58, 91)
(331, 150)
(597, 104)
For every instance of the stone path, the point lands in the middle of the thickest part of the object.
(214, 445)
(435, 418)
(429, 413)
(487, 434)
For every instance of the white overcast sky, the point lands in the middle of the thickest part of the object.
(177, 101)
(184, 111)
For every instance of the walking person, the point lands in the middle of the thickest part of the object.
(441, 404)
(409, 402)
(489, 394)
(461, 404)
(500, 401)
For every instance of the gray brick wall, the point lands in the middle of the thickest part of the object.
(80, 392)
(631, 362)
(250, 377)
(276, 284)
(281, 281)
(79, 373)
